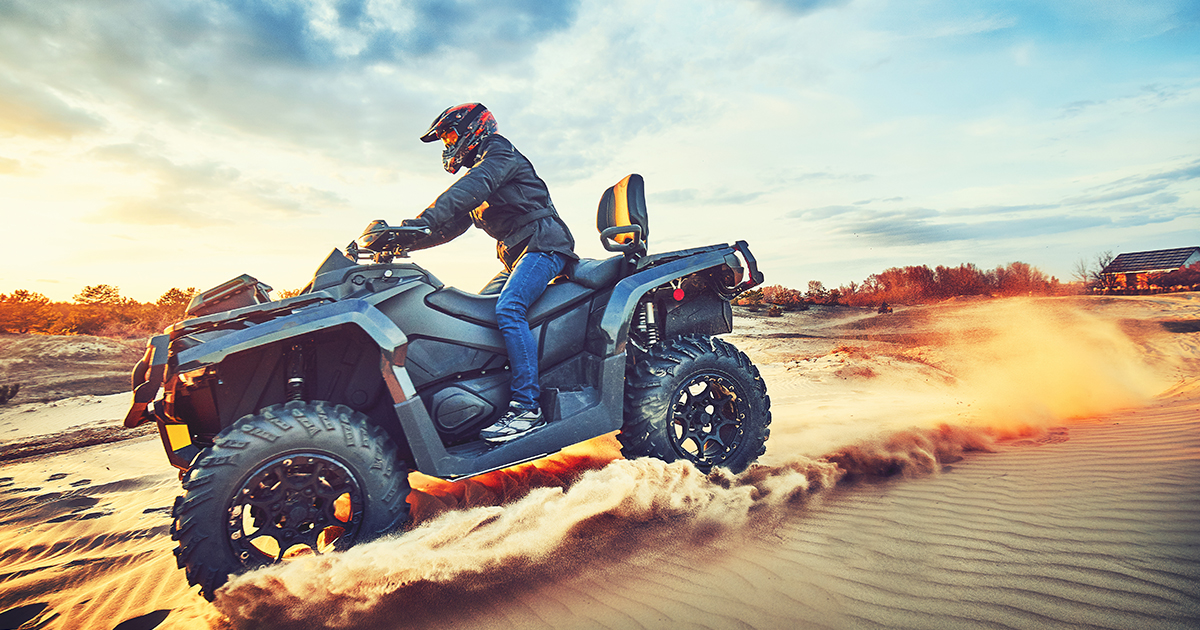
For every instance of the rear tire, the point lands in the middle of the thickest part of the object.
(294, 479)
(699, 399)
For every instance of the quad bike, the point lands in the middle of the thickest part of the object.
(294, 423)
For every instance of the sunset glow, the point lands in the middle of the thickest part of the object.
(152, 145)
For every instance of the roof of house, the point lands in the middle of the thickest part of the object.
(1157, 260)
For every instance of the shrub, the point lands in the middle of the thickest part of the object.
(23, 311)
(781, 296)
(747, 298)
(1188, 276)
(8, 392)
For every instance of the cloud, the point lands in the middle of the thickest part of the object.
(339, 76)
(1140, 185)
(916, 230)
(823, 212)
(9, 166)
(1116, 195)
(825, 176)
(692, 196)
(679, 195)
(1070, 110)
(202, 193)
(34, 111)
(1148, 98)
(1184, 173)
(803, 7)
(925, 226)
(495, 26)
(973, 26)
(1129, 202)
(354, 32)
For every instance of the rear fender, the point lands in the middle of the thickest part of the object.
(614, 325)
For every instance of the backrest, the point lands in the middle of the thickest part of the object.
(621, 217)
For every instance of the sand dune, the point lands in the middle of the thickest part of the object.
(1015, 464)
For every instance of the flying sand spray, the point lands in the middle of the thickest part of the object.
(1023, 367)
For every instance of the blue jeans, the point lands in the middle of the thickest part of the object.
(526, 283)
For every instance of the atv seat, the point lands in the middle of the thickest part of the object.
(481, 309)
(621, 217)
(596, 274)
(622, 222)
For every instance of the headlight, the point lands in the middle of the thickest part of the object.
(190, 378)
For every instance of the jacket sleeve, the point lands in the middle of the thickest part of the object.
(494, 167)
(444, 233)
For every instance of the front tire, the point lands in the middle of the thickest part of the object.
(699, 399)
(295, 479)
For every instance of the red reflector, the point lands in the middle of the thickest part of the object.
(678, 295)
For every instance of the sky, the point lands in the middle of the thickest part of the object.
(179, 143)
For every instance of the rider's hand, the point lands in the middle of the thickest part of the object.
(417, 222)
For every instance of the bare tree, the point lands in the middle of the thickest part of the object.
(1083, 272)
(1100, 279)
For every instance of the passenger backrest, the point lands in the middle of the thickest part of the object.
(621, 217)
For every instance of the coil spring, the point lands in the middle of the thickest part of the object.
(647, 323)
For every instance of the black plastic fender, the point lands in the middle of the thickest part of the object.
(147, 379)
(614, 325)
(356, 312)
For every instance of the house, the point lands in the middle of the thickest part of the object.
(1135, 270)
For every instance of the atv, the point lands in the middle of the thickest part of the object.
(294, 423)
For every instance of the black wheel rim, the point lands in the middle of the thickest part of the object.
(295, 505)
(707, 418)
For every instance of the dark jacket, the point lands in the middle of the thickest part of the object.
(502, 195)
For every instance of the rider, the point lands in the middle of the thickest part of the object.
(502, 195)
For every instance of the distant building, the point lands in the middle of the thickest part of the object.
(1134, 271)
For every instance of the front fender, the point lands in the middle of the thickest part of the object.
(355, 312)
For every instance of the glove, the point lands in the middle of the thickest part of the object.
(417, 222)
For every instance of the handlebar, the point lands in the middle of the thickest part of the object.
(381, 242)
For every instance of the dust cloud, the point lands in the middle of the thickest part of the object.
(606, 515)
(1009, 368)
(974, 375)
(1030, 364)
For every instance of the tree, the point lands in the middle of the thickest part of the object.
(100, 295)
(816, 292)
(23, 311)
(1090, 273)
(1019, 278)
(100, 307)
(1083, 272)
(1106, 281)
(176, 298)
(965, 279)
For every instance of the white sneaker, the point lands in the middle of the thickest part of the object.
(514, 424)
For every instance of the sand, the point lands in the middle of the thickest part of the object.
(972, 464)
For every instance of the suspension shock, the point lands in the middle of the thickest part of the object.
(295, 373)
(648, 322)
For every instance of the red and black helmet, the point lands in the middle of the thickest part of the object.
(462, 128)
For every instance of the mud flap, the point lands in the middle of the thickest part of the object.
(150, 371)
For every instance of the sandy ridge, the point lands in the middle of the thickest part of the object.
(1084, 517)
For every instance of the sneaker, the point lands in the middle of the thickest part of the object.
(514, 424)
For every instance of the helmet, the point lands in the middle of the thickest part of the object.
(462, 128)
